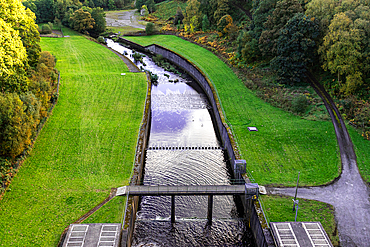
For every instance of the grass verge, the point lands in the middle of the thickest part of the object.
(280, 209)
(86, 147)
(362, 149)
(284, 144)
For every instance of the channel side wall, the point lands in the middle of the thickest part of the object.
(138, 169)
(257, 221)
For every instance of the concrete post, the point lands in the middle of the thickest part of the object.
(172, 209)
(210, 207)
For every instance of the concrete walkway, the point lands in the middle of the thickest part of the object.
(349, 194)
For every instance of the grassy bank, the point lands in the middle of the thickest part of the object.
(284, 144)
(86, 147)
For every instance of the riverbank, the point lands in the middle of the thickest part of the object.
(86, 147)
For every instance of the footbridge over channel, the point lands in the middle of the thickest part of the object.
(249, 190)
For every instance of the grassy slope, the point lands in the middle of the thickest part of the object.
(284, 144)
(86, 147)
(362, 148)
(167, 9)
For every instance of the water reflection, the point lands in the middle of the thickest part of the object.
(181, 118)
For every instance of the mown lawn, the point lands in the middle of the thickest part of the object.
(362, 149)
(284, 143)
(280, 209)
(86, 148)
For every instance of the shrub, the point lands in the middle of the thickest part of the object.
(138, 57)
(101, 40)
(149, 29)
(46, 29)
(299, 104)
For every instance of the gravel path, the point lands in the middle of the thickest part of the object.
(124, 18)
(349, 194)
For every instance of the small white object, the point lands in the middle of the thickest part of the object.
(252, 129)
(121, 191)
(262, 190)
(123, 73)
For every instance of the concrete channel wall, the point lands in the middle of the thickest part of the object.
(257, 221)
(136, 178)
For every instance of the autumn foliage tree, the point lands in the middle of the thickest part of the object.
(341, 51)
(26, 76)
(81, 21)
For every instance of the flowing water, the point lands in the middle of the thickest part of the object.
(183, 149)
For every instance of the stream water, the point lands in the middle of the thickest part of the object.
(182, 123)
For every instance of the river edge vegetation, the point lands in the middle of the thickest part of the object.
(86, 148)
(284, 144)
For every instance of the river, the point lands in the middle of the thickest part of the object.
(184, 149)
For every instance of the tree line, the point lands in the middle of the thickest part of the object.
(27, 78)
(86, 17)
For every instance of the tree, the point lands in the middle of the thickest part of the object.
(226, 26)
(205, 23)
(284, 10)
(324, 10)
(222, 10)
(341, 52)
(23, 20)
(178, 17)
(111, 5)
(151, 5)
(15, 124)
(296, 49)
(99, 27)
(149, 29)
(13, 58)
(44, 10)
(192, 19)
(243, 5)
(82, 21)
(139, 4)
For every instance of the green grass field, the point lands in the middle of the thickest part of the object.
(167, 9)
(86, 148)
(284, 144)
(280, 209)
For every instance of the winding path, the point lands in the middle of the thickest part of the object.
(349, 194)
